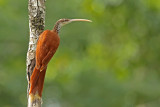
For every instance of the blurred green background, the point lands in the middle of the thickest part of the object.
(111, 62)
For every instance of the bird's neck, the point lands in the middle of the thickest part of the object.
(57, 27)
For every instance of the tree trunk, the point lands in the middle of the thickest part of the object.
(36, 25)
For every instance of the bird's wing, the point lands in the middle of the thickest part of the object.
(46, 59)
(42, 48)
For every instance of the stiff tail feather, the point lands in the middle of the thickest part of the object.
(34, 80)
(41, 81)
(37, 81)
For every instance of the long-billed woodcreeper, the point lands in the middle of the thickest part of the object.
(47, 45)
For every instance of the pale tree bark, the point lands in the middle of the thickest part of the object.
(36, 25)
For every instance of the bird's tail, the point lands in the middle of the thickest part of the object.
(37, 81)
(36, 86)
(34, 80)
(41, 81)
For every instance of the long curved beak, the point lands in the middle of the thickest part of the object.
(63, 22)
(86, 20)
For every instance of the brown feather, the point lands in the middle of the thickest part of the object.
(46, 47)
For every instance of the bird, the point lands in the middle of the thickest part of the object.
(47, 45)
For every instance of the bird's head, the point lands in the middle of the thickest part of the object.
(63, 22)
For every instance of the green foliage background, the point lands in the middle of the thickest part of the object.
(111, 62)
